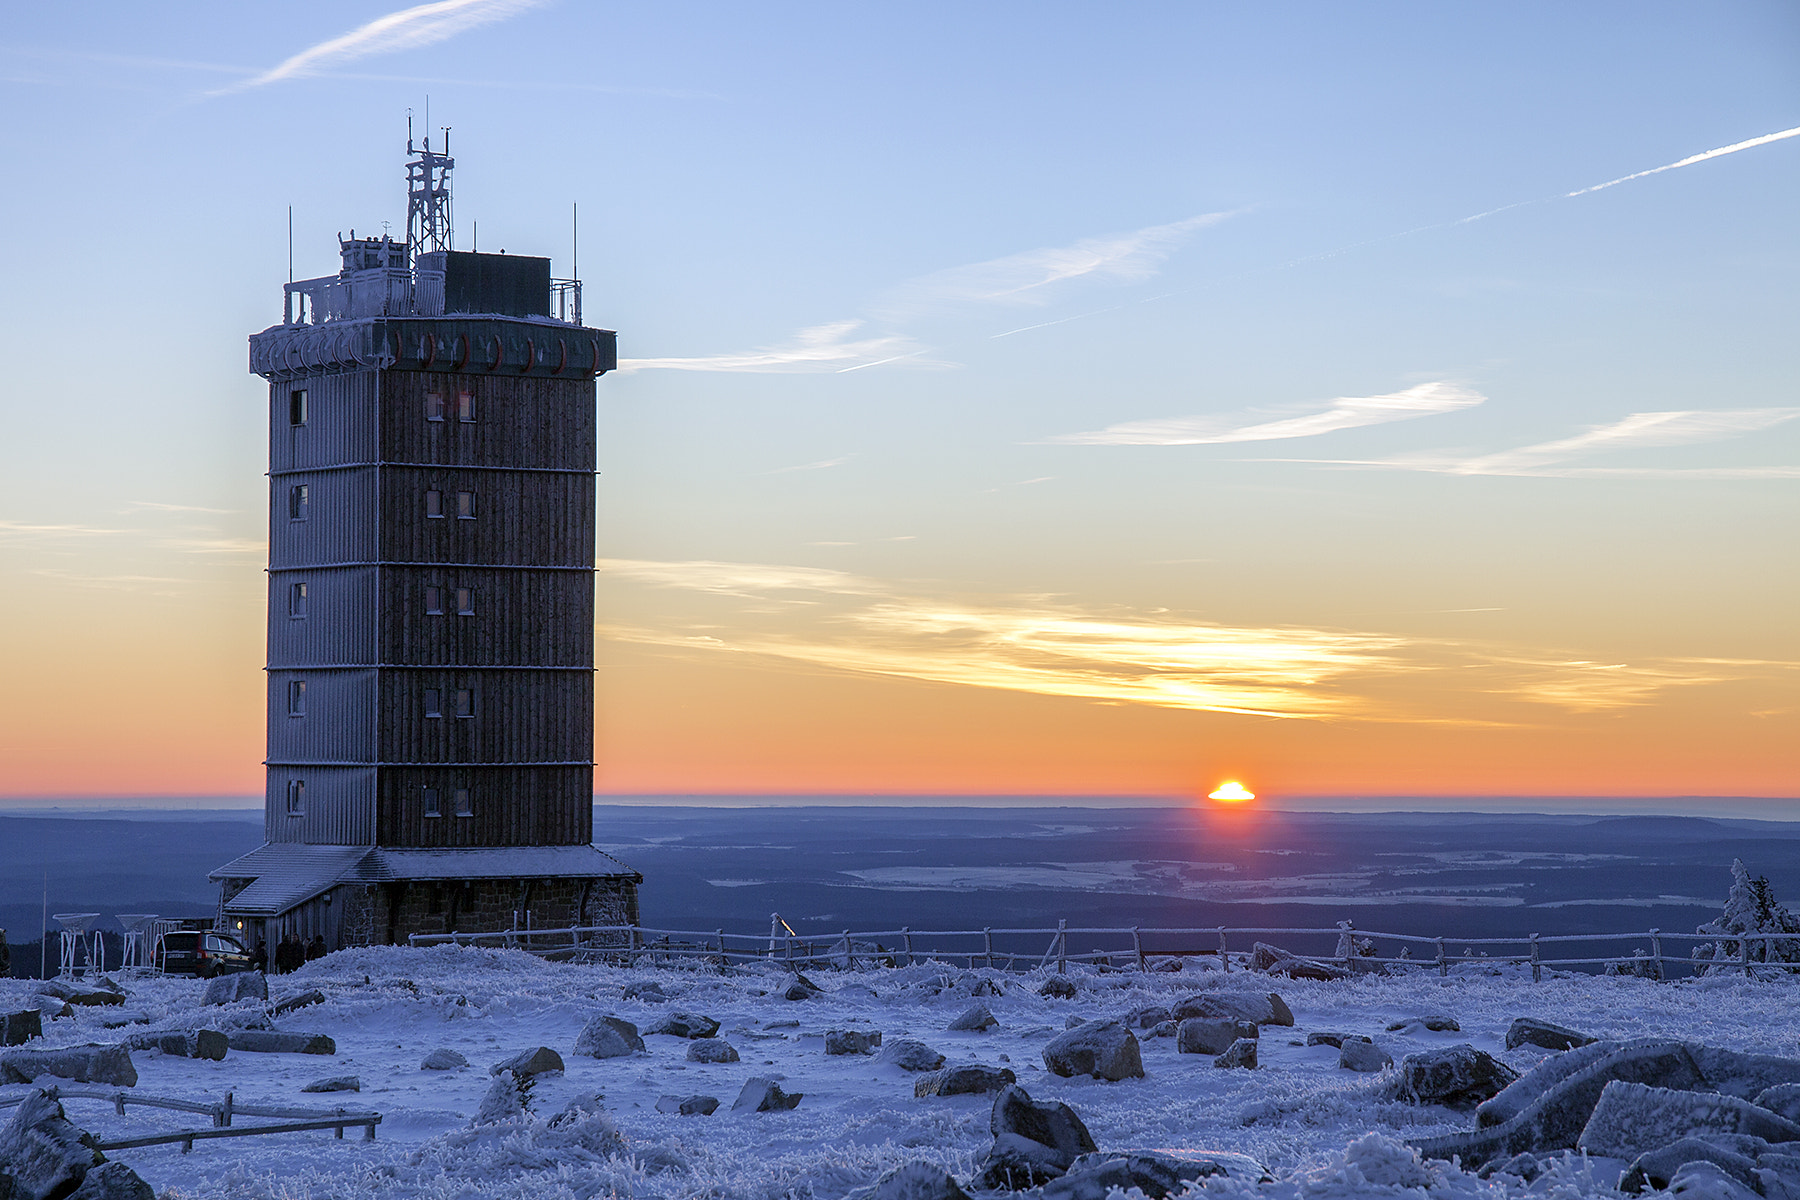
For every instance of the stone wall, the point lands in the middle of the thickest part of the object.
(399, 910)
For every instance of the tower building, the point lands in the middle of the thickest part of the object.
(431, 602)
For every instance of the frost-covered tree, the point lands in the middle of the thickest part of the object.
(1750, 907)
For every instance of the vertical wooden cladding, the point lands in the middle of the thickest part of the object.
(339, 810)
(520, 518)
(519, 717)
(521, 618)
(340, 622)
(340, 518)
(339, 725)
(519, 421)
(340, 421)
(514, 806)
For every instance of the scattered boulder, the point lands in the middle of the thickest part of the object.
(1783, 1100)
(684, 1025)
(688, 1106)
(1261, 1008)
(229, 989)
(506, 1099)
(968, 1080)
(1326, 1037)
(852, 1041)
(911, 1055)
(42, 1151)
(711, 1050)
(1706, 1181)
(1166, 1029)
(1632, 1118)
(1104, 1049)
(1033, 1142)
(336, 1083)
(1658, 1168)
(1147, 1017)
(762, 1094)
(914, 1181)
(607, 1036)
(972, 984)
(1156, 1173)
(271, 1041)
(1529, 1031)
(974, 1019)
(1742, 1075)
(649, 991)
(21, 1027)
(1241, 1053)
(1360, 1054)
(113, 1181)
(1457, 1077)
(443, 1059)
(1166, 965)
(1204, 1035)
(1272, 960)
(299, 1000)
(1435, 1022)
(82, 1064)
(1058, 987)
(527, 1064)
(201, 1043)
(51, 1007)
(802, 988)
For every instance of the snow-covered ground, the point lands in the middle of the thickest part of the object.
(388, 1007)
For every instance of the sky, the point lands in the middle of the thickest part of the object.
(1391, 399)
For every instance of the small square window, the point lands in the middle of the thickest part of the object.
(465, 702)
(434, 704)
(465, 407)
(434, 406)
(465, 506)
(465, 602)
(298, 497)
(434, 503)
(296, 697)
(296, 797)
(297, 600)
(432, 807)
(434, 599)
(464, 805)
(297, 407)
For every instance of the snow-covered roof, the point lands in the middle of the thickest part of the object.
(290, 873)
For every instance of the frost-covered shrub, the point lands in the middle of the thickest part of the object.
(1750, 907)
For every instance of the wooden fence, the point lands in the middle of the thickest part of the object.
(222, 1111)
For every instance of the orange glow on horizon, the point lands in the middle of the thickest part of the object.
(1231, 792)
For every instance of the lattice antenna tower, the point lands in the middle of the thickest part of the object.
(428, 194)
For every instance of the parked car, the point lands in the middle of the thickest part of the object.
(201, 953)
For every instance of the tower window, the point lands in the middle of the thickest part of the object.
(434, 406)
(297, 407)
(434, 599)
(432, 806)
(465, 407)
(296, 697)
(296, 797)
(297, 600)
(465, 702)
(434, 704)
(298, 497)
(465, 602)
(464, 805)
(465, 506)
(434, 503)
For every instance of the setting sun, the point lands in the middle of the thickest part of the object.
(1232, 791)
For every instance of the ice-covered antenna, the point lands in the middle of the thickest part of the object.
(428, 194)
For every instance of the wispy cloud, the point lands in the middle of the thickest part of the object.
(409, 29)
(159, 506)
(821, 465)
(827, 347)
(24, 529)
(1263, 425)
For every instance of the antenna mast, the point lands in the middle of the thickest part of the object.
(428, 194)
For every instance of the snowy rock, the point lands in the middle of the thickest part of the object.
(527, 1064)
(1156, 1173)
(1435, 1022)
(1361, 1055)
(229, 989)
(685, 1025)
(336, 1083)
(1632, 1118)
(914, 1181)
(802, 988)
(1033, 1142)
(1203, 1035)
(972, 984)
(82, 1064)
(711, 1050)
(911, 1055)
(1241, 1053)
(1529, 1031)
(1457, 1077)
(973, 1019)
(688, 1106)
(113, 1181)
(1706, 1181)
(1147, 1017)
(1166, 1029)
(761, 1094)
(607, 1036)
(300, 1000)
(1657, 1168)
(51, 1007)
(1272, 960)
(1168, 965)
(583, 1122)
(43, 1152)
(1058, 987)
(1326, 1037)
(1783, 1100)
(201, 1043)
(1738, 1074)
(270, 1041)
(967, 1080)
(649, 991)
(443, 1059)
(852, 1041)
(1265, 1008)
(21, 1027)
(1526, 1167)
(505, 1099)
(1104, 1049)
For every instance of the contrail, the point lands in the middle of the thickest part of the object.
(1689, 161)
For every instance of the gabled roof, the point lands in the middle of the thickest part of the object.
(285, 874)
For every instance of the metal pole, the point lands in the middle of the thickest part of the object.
(1537, 970)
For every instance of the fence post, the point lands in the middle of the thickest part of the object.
(1443, 963)
(847, 960)
(1137, 946)
(1656, 952)
(226, 1118)
(1224, 958)
(987, 947)
(1347, 941)
(724, 961)
(906, 936)
(1062, 946)
(1537, 970)
(1745, 954)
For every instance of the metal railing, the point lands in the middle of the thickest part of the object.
(1354, 950)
